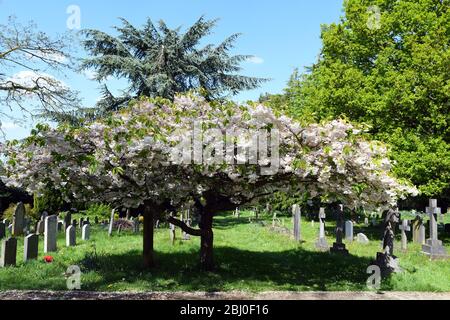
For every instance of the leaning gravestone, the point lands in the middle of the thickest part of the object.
(9, 252)
(349, 230)
(322, 243)
(2, 230)
(18, 220)
(433, 246)
(71, 236)
(296, 212)
(111, 222)
(86, 232)
(30, 247)
(362, 238)
(50, 233)
(339, 246)
(404, 227)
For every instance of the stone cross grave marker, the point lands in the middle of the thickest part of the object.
(71, 236)
(50, 234)
(433, 246)
(404, 227)
(30, 247)
(111, 222)
(349, 230)
(8, 252)
(2, 230)
(296, 212)
(339, 246)
(86, 232)
(322, 243)
(18, 220)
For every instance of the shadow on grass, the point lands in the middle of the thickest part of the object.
(237, 269)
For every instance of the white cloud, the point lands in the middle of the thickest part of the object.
(90, 74)
(255, 60)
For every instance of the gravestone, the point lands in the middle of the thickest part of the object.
(349, 230)
(416, 223)
(433, 246)
(8, 253)
(40, 227)
(296, 211)
(422, 237)
(71, 236)
(86, 232)
(111, 222)
(136, 226)
(339, 246)
(362, 238)
(60, 226)
(274, 219)
(50, 233)
(81, 223)
(18, 220)
(30, 247)
(172, 233)
(404, 227)
(366, 221)
(187, 236)
(322, 243)
(67, 220)
(2, 230)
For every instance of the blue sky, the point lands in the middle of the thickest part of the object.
(281, 34)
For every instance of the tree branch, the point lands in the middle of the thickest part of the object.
(185, 227)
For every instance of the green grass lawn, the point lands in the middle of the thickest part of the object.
(249, 257)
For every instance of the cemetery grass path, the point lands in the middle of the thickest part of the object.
(250, 259)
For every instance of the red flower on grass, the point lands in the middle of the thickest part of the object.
(48, 259)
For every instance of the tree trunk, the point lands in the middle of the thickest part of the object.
(148, 236)
(206, 244)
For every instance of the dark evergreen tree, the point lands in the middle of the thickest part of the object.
(160, 62)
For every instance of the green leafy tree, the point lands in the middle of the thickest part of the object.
(158, 61)
(387, 64)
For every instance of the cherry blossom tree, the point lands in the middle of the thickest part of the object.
(160, 155)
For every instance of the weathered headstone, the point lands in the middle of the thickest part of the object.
(136, 226)
(349, 230)
(339, 246)
(40, 227)
(8, 252)
(404, 227)
(172, 233)
(67, 220)
(50, 234)
(111, 222)
(60, 226)
(366, 221)
(362, 238)
(416, 223)
(18, 220)
(86, 232)
(322, 243)
(71, 236)
(296, 212)
(422, 236)
(433, 246)
(2, 230)
(30, 247)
